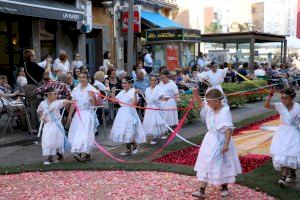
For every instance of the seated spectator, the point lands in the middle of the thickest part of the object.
(187, 73)
(76, 63)
(231, 74)
(21, 80)
(259, 71)
(76, 74)
(84, 69)
(69, 81)
(141, 82)
(243, 71)
(275, 74)
(63, 59)
(4, 86)
(100, 82)
(62, 88)
(103, 69)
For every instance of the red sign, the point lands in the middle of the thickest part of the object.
(136, 19)
(172, 57)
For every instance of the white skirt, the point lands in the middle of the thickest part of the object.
(212, 166)
(127, 126)
(171, 116)
(153, 122)
(52, 139)
(82, 134)
(285, 147)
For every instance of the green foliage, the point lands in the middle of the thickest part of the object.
(193, 115)
(241, 99)
(214, 27)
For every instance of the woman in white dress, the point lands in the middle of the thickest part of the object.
(84, 123)
(53, 131)
(217, 161)
(127, 127)
(169, 98)
(285, 146)
(153, 122)
(106, 60)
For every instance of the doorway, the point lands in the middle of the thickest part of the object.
(94, 50)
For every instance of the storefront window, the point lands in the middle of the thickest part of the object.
(188, 54)
(159, 55)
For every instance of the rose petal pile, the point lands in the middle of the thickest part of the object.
(111, 185)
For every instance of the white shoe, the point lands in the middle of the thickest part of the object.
(47, 163)
(153, 142)
(282, 183)
(125, 153)
(135, 151)
(198, 194)
(164, 137)
(224, 192)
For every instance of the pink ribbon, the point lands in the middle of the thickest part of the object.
(172, 136)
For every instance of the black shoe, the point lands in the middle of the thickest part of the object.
(77, 157)
(281, 182)
(87, 157)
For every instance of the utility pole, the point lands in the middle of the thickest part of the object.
(130, 37)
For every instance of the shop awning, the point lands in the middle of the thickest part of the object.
(42, 9)
(158, 20)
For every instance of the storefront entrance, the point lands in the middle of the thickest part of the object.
(15, 34)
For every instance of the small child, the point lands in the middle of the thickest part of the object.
(127, 126)
(169, 98)
(217, 161)
(284, 149)
(153, 119)
(53, 132)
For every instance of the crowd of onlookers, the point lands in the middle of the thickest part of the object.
(35, 77)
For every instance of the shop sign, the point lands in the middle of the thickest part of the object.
(136, 19)
(173, 34)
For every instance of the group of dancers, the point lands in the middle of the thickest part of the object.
(217, 161)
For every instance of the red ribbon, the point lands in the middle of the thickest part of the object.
(172, 136)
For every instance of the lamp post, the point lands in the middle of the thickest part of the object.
(130, 37)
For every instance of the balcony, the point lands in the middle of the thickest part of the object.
(171, 4)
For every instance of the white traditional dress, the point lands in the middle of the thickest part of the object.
(212, 166)
(170, 90)
(153, 122)
(285, 146)
(127, 126)
(53, 131)
(216, 79)
(84, 126)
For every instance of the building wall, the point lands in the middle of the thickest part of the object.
(103, 20)
(208, 15)
(257, 11)
(298, 19)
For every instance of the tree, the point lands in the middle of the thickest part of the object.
(214, 27)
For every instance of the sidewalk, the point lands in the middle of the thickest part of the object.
(20, 148)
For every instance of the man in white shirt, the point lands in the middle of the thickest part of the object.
(148, 62)
(259, 72)
(201, 62)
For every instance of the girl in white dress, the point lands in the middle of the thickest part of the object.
(169, 98)
(153, 120)
(285, 146)
(217, 161)
(127, 127)
(53, 131)
(84, 123)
